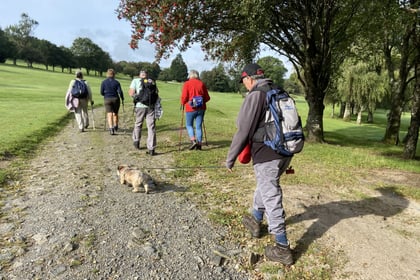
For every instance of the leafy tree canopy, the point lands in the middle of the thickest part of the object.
(273, 69)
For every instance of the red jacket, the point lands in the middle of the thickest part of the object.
(194, 87)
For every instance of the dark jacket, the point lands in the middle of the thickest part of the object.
(250, 117)
(111, 88)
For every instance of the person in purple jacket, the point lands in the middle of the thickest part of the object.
(112, 92)
(268, 166)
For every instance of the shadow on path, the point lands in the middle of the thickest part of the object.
(327, 215)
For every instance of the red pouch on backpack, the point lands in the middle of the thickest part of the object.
(245, 156)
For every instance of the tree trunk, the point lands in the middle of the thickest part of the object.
(342, 109)
(412, 138)
(314, 94)
(397, 86)
(410, 144)
(314, 123)
(347, 112)
(359, 116)
(369, 116)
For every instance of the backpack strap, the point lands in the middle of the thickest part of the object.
(260, 131)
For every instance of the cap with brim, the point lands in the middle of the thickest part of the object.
(252, 69)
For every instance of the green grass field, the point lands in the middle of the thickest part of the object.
(32, 110)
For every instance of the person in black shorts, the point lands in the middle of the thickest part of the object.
(112, 92)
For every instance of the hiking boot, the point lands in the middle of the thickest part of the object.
(136, 145)
(198, 147)
(116, 128)
(193, 145)
(279, 253)
(111, 131)
(252, 225)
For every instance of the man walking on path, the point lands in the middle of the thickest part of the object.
(268, 166)
(144, 109)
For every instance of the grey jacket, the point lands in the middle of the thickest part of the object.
(250, 117)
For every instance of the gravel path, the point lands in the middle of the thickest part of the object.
(71, 219)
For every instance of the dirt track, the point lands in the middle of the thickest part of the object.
(71, 218)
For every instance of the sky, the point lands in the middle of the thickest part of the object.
(62, 21)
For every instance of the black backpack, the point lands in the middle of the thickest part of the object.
(79, 89)
(148, 94)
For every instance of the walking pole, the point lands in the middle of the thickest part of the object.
(123, 115)
(93, 116)
(205, 132)
(181, 127)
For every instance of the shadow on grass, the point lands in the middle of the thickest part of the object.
(329, 214)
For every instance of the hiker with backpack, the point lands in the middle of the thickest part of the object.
(194, 98)
(78, 97)
(145, 97)
(268, 165)
(112, 92)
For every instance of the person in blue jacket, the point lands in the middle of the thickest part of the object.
(112, 92)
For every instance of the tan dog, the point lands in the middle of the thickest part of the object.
(134, 177)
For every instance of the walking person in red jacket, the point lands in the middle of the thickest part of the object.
(194, 98)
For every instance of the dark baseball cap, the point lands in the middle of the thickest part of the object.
(252, 69)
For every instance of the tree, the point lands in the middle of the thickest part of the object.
(293, 86)
(86, 54)
(216, 79)
(165, 75)
(6, 47)
(179, 71)
(48, 53)
(412, 137)
(399, 27)
(273, 69)
(31, 52)
(130, 69)
(313, 35)
(20, 35)
(361, 86)
(102, 61)
(65, 58)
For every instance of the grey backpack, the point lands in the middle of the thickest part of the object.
(282, 130)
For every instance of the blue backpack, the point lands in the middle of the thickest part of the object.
(79, 89)
(197, 102)
(282, 130)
